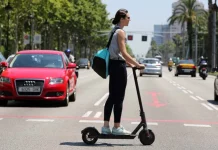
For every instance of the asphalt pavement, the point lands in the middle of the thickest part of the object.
(179, 110)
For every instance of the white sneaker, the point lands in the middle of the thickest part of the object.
(120, 131)
(105, 130)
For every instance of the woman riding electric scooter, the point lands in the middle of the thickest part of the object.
(117, 86)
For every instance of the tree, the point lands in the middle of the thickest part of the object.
(187, 12)
(177, 39)
(59, 23)
(129, 50)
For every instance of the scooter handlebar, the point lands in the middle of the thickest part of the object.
(136, 68)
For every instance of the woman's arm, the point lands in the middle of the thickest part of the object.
(122, 47)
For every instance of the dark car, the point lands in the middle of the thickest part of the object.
(83, 63)
(185, 67)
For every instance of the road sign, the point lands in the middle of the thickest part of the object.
(130, 37)
(36, 40)
(144, 38)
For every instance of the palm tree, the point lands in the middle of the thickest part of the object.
(186, 13)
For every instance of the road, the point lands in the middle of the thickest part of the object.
(180, 111)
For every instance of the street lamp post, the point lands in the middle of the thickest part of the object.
(59, 39)
(8, 8)
(31, 17)
(45, 36)
(214, 8)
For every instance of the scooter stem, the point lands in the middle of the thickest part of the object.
(142, 114)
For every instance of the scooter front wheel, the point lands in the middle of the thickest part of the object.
(146, 138)
(90, 136)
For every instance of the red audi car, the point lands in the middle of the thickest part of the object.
(38, 75)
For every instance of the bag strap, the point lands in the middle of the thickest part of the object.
(109, 42)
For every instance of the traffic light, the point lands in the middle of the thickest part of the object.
(130, 37)
(144, 38)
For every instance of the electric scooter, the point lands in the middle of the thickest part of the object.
(90, 134)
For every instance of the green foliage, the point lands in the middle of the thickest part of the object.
(74, 21)
(129, 50)
(187, 12)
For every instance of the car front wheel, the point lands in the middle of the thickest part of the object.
(66, 100)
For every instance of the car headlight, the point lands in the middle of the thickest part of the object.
(4, 80)
(56, 81)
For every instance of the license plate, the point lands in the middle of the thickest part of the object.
(204, 72)
(29, 89)
(186, 70)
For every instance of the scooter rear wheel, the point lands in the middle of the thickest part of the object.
(146, 138)
(87, 139)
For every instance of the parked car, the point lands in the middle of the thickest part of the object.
(185, 67)
(38, 75)
(83, 63)
(152, 67)
(216, 89)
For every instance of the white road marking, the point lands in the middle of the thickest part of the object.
(98, 114)
(148, 123)
(103, 98)
(87, 114)
(200, 98)
(129, 75)
(183, 87)
(205, 105)
(91, 121)
(190, 91)
(1, 118)
(194, 98)
(40, 120)
(179, 87)
(214, 107)
(196, 125)
(185, 91)
(174, 84)
(86, 76)
(178, 84)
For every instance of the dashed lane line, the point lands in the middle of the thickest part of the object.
(190, 91)
(102, 99)
(185, 91)
(200, 98)
(194, 98)
(197, 125)
(205, 105)
(40, 120)
(98, 114)
(214, 107)
(148, 123)
(87, 114)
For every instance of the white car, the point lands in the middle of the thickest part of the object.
(153, 66)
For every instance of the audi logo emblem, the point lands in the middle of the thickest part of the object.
(29, 83)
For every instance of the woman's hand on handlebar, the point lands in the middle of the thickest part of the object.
(140, 66)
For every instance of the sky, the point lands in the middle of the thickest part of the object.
(144, 15)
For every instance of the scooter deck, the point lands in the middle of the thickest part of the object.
(112, 136)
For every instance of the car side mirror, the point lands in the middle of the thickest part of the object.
(4, 64)
(71, 66)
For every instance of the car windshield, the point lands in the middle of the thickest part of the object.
(151, 61)
(186, 62)
(37, 61)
